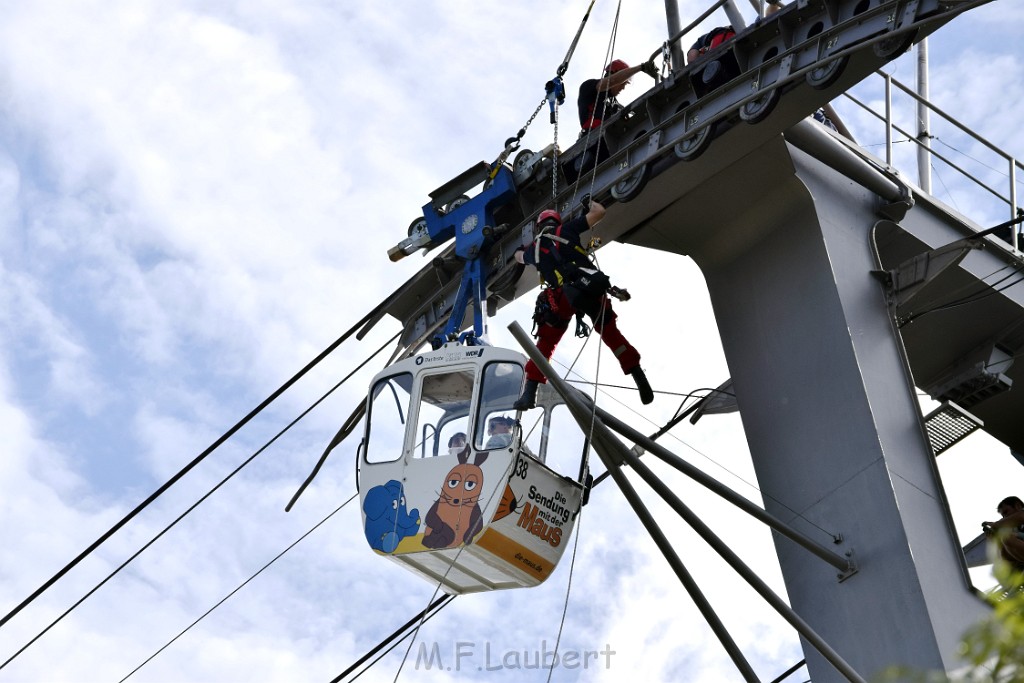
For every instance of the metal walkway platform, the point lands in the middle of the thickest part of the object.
(792, 63)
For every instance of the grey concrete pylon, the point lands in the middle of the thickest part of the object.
(828, 404)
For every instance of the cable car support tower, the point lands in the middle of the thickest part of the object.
(814, 269)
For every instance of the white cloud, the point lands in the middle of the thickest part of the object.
(194, 201)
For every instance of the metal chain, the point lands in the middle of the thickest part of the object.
(513, 143)
(554, 165)
(522, 131)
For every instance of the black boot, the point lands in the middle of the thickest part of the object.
(529, 398)
(646, 393)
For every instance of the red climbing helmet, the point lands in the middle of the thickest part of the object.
(616, 65)
(549, 217)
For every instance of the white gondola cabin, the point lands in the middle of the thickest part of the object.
(446, 486)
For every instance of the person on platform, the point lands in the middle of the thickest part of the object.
(596, 99)
(1008, 531)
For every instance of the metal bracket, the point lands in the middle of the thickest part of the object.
(908, 279)
(977, 376)
(851, 569)
(897, 210)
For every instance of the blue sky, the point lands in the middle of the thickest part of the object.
(197, 198)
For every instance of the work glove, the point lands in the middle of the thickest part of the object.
(619, 293)
(649, 68)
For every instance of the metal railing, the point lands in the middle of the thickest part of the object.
(1007, 196)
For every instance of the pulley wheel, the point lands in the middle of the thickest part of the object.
(695, 145)
(889, 48)
(519, 163)
(417, 225)
(820, 77)
(632, 185)
(455, 203)
(758, 110)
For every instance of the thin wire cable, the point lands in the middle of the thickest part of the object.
(712, 461)
(568, 590)
(987, 291)
(415, 631)
(971, 284)
(434, 608)
(180, 517)
(240, 587)
(603, 303)
(790, 671)
(597, 374)
(185, 470)
(503, 478)
(585, 470)
(685, 395)
(975, 299)
(945, 187)
(975, 160)
(609, 50)
(609, 53)
(576, 39)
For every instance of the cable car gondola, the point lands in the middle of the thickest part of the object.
(447, 487)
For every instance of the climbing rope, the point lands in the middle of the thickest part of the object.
(599, 321)
(609, 51)
(568, 591)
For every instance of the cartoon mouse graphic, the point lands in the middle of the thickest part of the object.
(456, 517)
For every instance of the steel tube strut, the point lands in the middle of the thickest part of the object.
(810, 137)
(835, 559)
(603, 439)
(787, 612)
(605, 444)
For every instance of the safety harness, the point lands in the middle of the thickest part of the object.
(546, 312)
(566, 271)
(556, 255)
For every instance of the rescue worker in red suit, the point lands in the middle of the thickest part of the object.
(597, 102)
(573, 284)
(597, 95)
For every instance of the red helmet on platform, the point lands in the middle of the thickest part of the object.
(616, 65)
(549, 216)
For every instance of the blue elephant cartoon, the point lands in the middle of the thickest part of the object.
(387, 521)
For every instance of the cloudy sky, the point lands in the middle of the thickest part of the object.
(197, 198)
